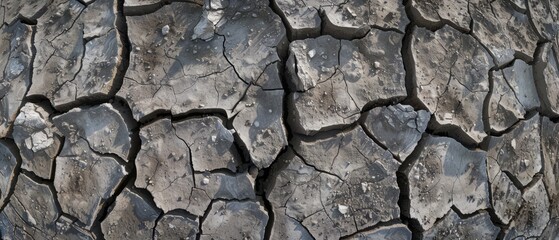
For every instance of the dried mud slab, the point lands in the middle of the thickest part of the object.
(514, 93)
(506, 198)
(506, 33)
(235, 220)
(533, 216)
(37, 139)
(79, 52)
(544, 15)
(335, 79)
(286, 227)
(550, 150)
(397, 127)
(450, 79)
(16, 57)
(341, 19)
(444, 174)
(32, 210)
(174, 225)
(9, 158)
(518, 152)
(429, 13)
(546, 74)
(478, 226)
(14, 9)
(313, 185)
(130, 217)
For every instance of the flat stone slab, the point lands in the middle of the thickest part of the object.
(172, 225)
(37, 139)
(397, 127)
(533, 217)
(435, 13)
(550, 150)
(451, 80)
(444, 174)
(391, 232)
(78, 52)
(546, 73)
(130, 217)
(333, 80)
(518, 152)
(314, 183)
(478, 226)
(9, 159)
(16, 57)
(544, 15)
(235, 220)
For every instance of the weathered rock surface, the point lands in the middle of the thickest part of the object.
(506, 198)
(552, 230)
(211, 144)
(286, 227)
(514, 93)
(9, 159)
(506, 33)
(544, 15)
(235, 220)
(550, 150)
(79, 52)
(533, 216)
(478, 226)
(546, 73)
(32, 210)
(433, 13)
(29, 11)
(341, 19)
(130, 217)
(335, 79)
(173, 225)
(16, 57)
(444, 174)
(314, 189)
(391, 232)
(37, 139)
(451, 79)
(397, 127)
(93, 139)
(518, 152)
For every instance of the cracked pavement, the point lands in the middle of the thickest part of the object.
(279, 119)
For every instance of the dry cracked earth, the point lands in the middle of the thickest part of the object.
(288, 119)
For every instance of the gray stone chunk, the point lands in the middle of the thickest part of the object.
(259, 120)
(302, 19)
(286, 227)
(164, 168)
(15, 60)
(506, 198)
(391, 232)
(544, 15)
(37, 139)
(518, 152)
(451, 226)
(68, 68)
(335, 79)
(534, 216)
(211, 144)
(14, 9)
(451, 80)
(550, 150)
(9, 159)
(130, 217)
(445, 174)
(176, 226)
(397, 127)
(546, 74)
(552, 230)
(353, 19)
(32, 210)
(235, 220)
(435, 12)
(314, 189)
(226, 186)
(102, 127)
(505, 32)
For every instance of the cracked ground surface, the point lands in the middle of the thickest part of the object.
(279, 119)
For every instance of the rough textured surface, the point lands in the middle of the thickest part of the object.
(279, 119)
(451, 79)
(130, 217)
(446, 174)
(38, 140)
